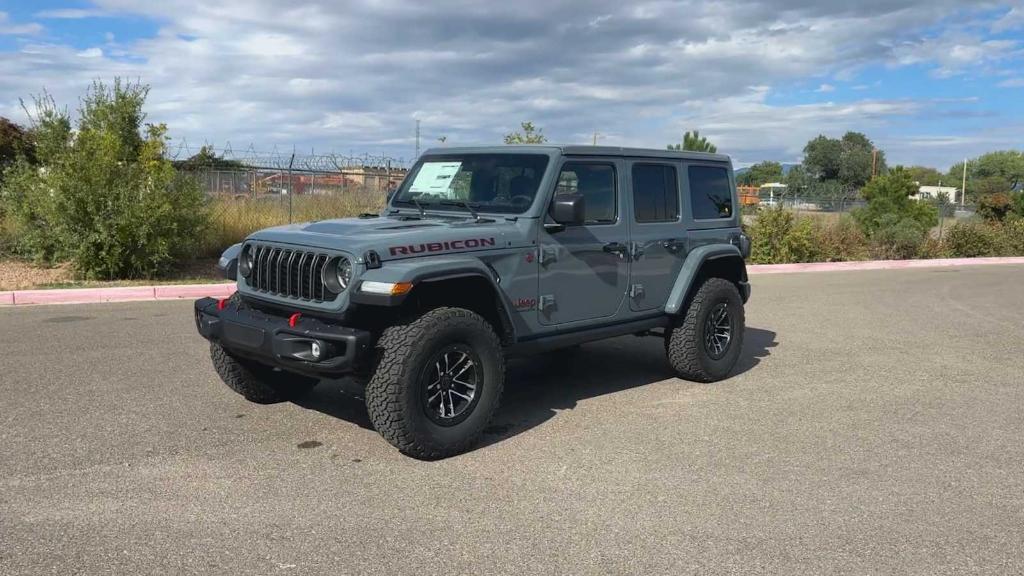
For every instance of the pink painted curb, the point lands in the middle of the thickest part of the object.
(117, 294)
(877, 265)
(176, 292)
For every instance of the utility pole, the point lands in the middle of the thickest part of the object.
(595, 138)
(963, 191)
(417, 138)
(874, 161)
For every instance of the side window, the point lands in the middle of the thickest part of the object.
(710, 192)
(596, 182)
(655, 193)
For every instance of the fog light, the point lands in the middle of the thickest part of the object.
(314, 349)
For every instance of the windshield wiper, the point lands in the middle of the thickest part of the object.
(462, 204)
(423, 212)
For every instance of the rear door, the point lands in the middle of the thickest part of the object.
(583, 271)
(657, 234)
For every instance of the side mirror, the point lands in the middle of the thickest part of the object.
(568, 209)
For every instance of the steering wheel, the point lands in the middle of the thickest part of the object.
(521, 199)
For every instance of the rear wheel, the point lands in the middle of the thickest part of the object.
(257, 382)
(437, 382)
(706, 343)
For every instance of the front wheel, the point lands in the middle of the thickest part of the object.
(705, 345)
(438, 381)
(257, 382)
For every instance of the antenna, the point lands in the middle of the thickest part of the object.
(417, 138)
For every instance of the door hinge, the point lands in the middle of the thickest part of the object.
(547, 301)
(548, 254)
(636, 291)
(636, 250)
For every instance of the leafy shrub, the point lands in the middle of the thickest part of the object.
(778, 236)
(889, 204)
(105, 197)
(842, 240)
(897, 238)
(970, 239)
(995, 207)
(1011, 237)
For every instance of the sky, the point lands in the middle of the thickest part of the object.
(930, 81)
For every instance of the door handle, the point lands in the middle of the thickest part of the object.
(617, 248)
(673, 245)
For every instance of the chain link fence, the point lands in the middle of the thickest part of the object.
(252, 190)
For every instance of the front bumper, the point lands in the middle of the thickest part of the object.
(269, 339)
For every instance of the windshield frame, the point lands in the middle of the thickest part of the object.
(545, 159)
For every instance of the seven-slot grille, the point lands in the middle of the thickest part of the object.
(289, 273)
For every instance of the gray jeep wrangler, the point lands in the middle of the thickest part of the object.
(483, 254)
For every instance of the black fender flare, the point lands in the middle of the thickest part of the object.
(691, 270)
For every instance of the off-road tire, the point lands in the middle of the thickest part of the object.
(393, 393)
(257, 382)
(684, 342)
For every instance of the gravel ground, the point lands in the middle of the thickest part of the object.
(875, 425)
(18, 275)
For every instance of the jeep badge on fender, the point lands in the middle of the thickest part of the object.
(482, 254)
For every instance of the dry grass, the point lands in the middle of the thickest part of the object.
(231, 220)
(20, 275)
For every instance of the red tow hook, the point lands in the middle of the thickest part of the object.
(294, 319)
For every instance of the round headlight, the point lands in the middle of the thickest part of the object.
(338, 275)
(343, 269)
(245, 262)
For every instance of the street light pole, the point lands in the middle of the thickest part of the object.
(963, 191)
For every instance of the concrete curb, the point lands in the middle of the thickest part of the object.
(877, 265)
(177, 292)
(117, 294)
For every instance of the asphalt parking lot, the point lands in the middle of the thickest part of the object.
(875, 425)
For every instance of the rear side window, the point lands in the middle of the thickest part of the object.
(655, 193)
(710, 192)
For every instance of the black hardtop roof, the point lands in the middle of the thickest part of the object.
(581, 150)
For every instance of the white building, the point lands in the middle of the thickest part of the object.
(932, 192)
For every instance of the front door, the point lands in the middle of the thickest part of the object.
(584, 269)
(657, 233)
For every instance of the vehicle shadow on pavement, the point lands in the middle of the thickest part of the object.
(538, 387)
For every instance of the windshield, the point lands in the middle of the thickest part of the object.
(503, 183)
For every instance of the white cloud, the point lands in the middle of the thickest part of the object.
(1013, 20)
(1012, 83)
(356, 75)
(826, 88)
(9, 28)
(71, 14)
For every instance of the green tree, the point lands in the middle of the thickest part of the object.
(694, 142)
(529, 134)
(850, 160)
(927, 176)
(761, 173)
(15, 142)
(889, 205)
(1005, 164)
(207, 158)
(822, 158)
(106, 198)
(989, 185)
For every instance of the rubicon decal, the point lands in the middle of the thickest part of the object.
(442, 246)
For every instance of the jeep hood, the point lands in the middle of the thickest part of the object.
(392, 236)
